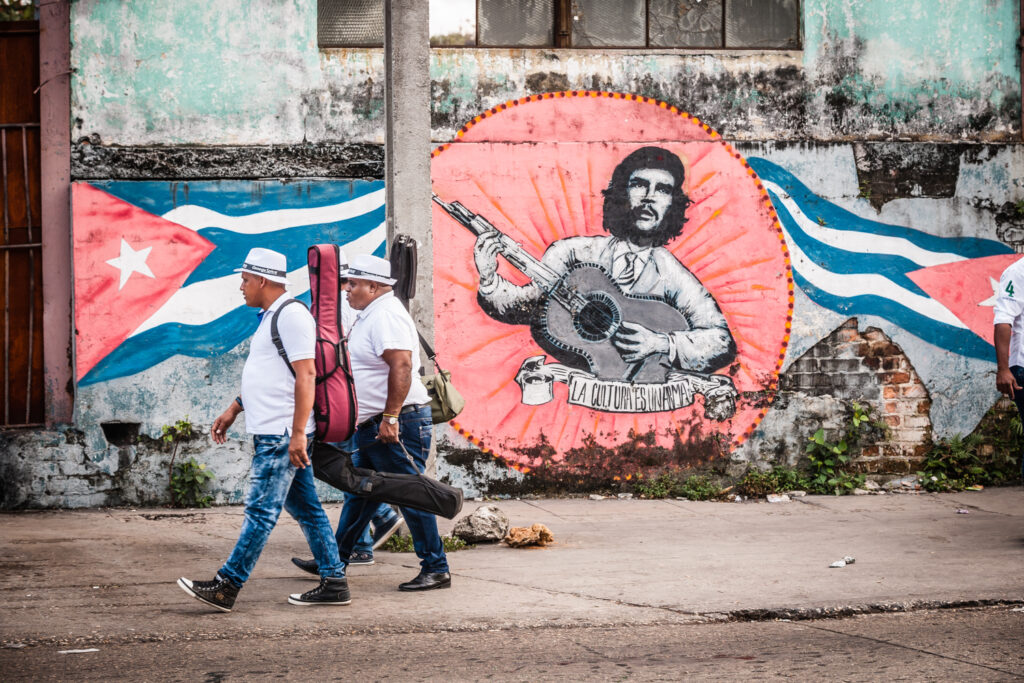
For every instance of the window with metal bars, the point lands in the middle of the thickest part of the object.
(21, 291)
(722, 24)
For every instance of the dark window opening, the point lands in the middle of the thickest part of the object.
(723, 24)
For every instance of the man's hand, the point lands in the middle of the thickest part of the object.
(1006, 382)
(305, 381)
(297, 450)
(388, 433)
(636, 342)
(485, 253)
(219, 430)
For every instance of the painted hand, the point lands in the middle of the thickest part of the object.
(485, 253)
(636, 342)
(297, 450)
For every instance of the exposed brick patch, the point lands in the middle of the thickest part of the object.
(868, 367)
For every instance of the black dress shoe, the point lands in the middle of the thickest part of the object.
(427, 581)
(309, 566)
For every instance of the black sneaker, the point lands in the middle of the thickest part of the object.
(219, 593)
(331, 591)
(382, 533)
(308, 566)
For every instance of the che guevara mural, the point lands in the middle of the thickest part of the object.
(606, 269)
(611, 276)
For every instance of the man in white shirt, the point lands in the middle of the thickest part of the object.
(277, 396)
(395, 428)
(1009, 336)
(644, 209)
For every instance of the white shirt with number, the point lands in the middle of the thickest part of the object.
(1010, 307)
(383, 325)
(268, 386)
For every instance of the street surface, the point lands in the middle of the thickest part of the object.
(631, 590)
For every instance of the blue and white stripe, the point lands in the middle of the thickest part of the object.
(206, 316)
(856, 266)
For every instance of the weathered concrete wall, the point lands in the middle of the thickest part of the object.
(893, 132)
(161, 329)
(231, 73)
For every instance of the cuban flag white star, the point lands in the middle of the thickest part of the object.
(991, 301)
(131, 261)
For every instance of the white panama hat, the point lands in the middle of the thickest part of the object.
(369, 267)
(266, 263)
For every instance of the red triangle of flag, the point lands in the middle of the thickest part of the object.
(128, 263)
(966, 289)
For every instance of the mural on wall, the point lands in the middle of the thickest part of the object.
(606, 266)
(940, 289)
(609, 272)
(154, 261)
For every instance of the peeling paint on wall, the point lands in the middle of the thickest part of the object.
(868, 70)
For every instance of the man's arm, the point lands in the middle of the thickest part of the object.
(517, 304)
(399, 381)
(305, 383)
(219, 430)
(1008, 308)
(1005, 381)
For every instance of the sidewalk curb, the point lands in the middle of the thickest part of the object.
(695, 619)
(844, 611)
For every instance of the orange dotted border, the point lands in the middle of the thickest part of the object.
(773, 384)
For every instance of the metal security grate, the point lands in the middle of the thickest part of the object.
(350, 23)
(526, 23)
(21, 291)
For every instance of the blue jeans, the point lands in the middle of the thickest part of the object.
(415, 430)
(1018, 398)
(275, 484)
(383, 514)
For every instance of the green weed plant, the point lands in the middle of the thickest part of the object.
(829, 462)
(776, 480)
(673, 485)
(188, 483)
(401, 543)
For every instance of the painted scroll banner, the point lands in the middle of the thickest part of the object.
(537, 379)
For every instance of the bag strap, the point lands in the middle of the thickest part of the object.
(275, 334)
(430, 351)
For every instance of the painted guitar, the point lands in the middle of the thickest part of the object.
(582, 310)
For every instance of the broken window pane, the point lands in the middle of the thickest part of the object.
(347, 23)
(517, 22)
(614, 23)
(452, 22)
(762, 23)
(685, 23)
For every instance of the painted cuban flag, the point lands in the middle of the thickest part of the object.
(154, 261)
(940, 289)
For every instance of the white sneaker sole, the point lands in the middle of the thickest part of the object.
(186, 586)
(389, 534)
(296, 599)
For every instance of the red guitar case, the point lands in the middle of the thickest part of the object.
(335, 407)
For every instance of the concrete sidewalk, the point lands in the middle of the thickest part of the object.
(94, 576)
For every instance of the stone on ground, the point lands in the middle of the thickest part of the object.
(486, 524)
